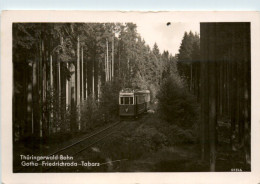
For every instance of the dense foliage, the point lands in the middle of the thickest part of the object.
(176, 105)
(65, 68)
(188, 59)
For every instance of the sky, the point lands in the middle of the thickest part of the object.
(167, 37)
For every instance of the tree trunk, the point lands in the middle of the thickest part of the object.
(93, 77)
(36, 116)
(204, 129)
(105, 67)
(82, 75)
(67, 89)
(247, 92)
(51, 96)
(73, 120)
(78, 72)
(29, 121)
(212, 96)
(107, 70)
(44, 87)
(86, 79)
(212, 114)
(112, 57)
(63, 96)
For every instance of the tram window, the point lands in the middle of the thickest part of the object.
(131, 100)
(126, 100)
(121, 100)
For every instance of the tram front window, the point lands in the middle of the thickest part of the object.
(121, 100)
(131, 100)
(127, 100)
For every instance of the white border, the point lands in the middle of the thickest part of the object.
(8, 17)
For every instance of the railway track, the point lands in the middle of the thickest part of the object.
(74, 148)
(77, 147)
(92, 156)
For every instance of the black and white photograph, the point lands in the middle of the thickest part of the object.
(131, 97)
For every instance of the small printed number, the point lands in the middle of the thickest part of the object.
(236, 170)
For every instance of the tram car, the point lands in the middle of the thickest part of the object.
(133, 102)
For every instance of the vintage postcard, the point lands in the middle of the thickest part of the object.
(130, 97)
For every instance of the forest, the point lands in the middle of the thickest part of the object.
(220, 78)
(67, 77)
(59, 66)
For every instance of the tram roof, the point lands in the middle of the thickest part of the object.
(142, 91)
(128, 91)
